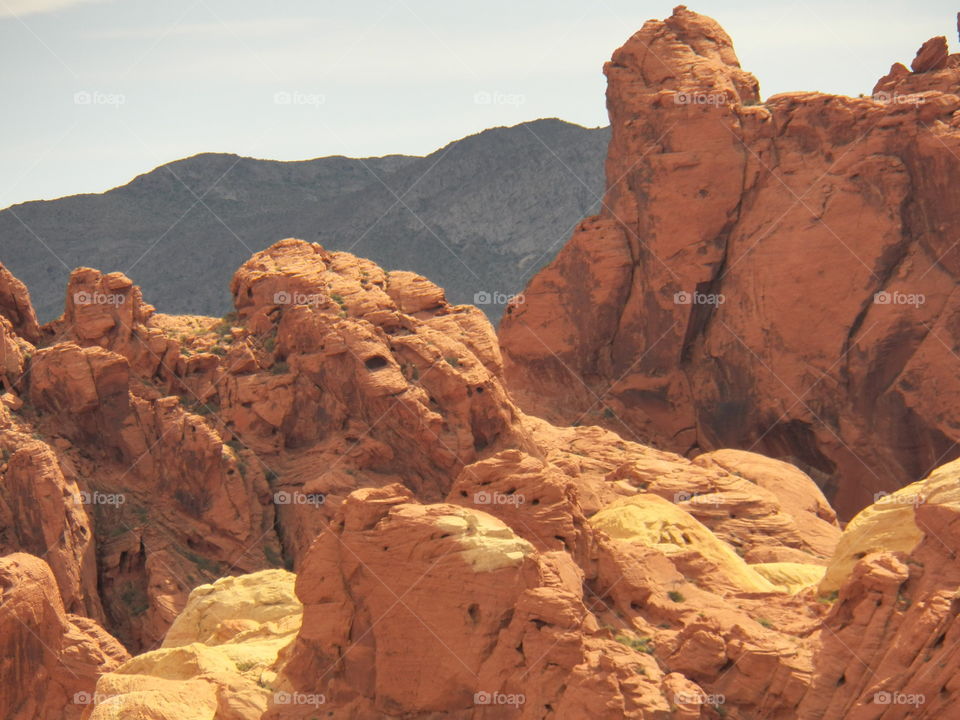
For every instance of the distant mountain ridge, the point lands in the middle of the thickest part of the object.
(478, 216)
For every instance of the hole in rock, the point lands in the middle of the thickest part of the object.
(375, 362)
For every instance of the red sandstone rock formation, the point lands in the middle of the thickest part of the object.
(889, 646)
(776, 276)
(227, 438)
(49, 659)
(425, 610)
(459, 558)
(16, 307)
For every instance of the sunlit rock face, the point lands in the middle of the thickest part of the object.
(777, 276)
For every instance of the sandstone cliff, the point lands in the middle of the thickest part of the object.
(779, 276)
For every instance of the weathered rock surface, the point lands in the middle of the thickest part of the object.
(16, 307)
(933, 69)
(888, 647)
(42, 513)
(778, 277)
(436, 610)
(217, 659)
(49, 659)
(458, 558)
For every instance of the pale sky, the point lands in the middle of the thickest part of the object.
(98, 91)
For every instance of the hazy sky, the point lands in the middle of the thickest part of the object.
(98, 91)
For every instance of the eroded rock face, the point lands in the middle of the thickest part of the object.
(217, 660)
(426, 610)
(50, 659)
(777, 277)
(891, 638)
(458, 558)
(171, 500)
(358, 368)
(16, 307)
(932, 69)
(44, 515)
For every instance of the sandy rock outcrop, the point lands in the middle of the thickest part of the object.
(108, 311)
(217, 660)
(358, 367)
(777, 277)
(171, 501)
(237, 450)
(421, 610)
(933, 69)
(458, 558)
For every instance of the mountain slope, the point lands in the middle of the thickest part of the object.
(479, 215)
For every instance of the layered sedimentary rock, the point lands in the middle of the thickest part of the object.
(777, 276)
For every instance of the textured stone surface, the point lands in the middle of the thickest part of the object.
(752, 269)
(50, 659)
(456, 557)
(217, 659)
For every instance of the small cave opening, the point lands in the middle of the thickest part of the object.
(473, 612)
(375, 362)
